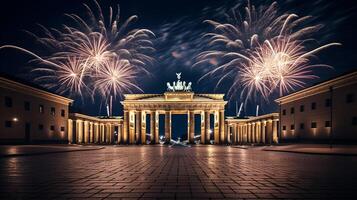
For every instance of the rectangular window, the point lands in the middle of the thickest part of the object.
(350, 98)
(292, 127)
(52, 128)
(284, 112)
(63, 113)
(62, 128)
(328, 103)
(41, 109)
(327, 123)
(313, 105)
(292, 110)
(313, 125)
(8, 102)
(354, 121)
(27, 105)
(302, 108)
(284, 128)
(53, 111)
(302, 126)
(40, 127)
(8, 124)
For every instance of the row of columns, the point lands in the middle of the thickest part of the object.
(261, 132)
(134, 130)
(85, 132)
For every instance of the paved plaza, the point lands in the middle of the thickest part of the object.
(160, 172)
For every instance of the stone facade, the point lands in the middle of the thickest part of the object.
(31, 115)
(325, 112)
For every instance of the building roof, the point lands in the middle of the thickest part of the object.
(22, 86)
(324, 86)
(174, 97)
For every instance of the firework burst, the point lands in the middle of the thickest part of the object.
(90, 49)
(261, 51)
(115, 77)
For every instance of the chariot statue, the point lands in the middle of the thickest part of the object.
(179, 85)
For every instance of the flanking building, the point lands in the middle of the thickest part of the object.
(325, 112)
(84, 129)
(29, 114)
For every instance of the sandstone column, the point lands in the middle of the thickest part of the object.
(138, 127)
(191, 125)
(203, 128)
(275, 131)
(157, 120)
(96, 134)
(125, 127)
(269, 131)
(90, 132)
(216, 127)
(120, 132)
(143, 127)
(131, 127)
(79, 131)
(207, 127)
(152, 127)
(168, 127)
(70, 131)
(221, 129)
(263, 124)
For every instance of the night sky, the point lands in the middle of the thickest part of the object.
(181, 22)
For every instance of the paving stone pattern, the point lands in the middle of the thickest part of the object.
(153, 172)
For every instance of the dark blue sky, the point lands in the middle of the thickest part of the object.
(184, 17)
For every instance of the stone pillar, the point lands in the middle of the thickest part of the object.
(120, 132)
(234, 134)
(96, 133)
(131, 127)
(91, 132)
(203, 128)
(221, 129)
(102, 133)
(257, 130)
(108, 133)
(253, 132)
(138, 127)
(249, 134)
(191, 127)
(125, 127)
(143, 127)
(269, 131)
(70, 131)
(262, 132)
(152, 127)
(275, 131)
(157, 120)
(227, 133)
(79, 131)
(207, 127)
(216, 127)
(167, 127)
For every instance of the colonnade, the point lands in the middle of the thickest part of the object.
(259, 130)
(134, 126)
(82, 131)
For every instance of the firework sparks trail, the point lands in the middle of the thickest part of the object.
(262, 51)
(79, 51)
(115, 77)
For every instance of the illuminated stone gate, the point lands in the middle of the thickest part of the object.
(179, 99)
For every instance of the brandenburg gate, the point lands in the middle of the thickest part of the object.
(179, 99)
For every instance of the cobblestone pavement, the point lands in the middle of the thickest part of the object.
(148, 172)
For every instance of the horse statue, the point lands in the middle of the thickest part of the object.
(170, 88)
(188, 88)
